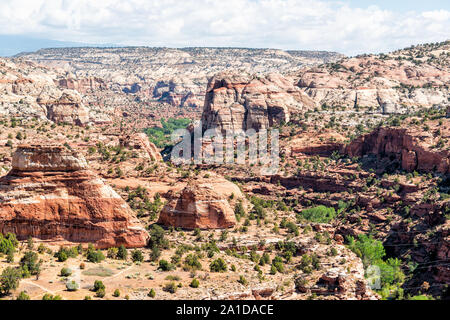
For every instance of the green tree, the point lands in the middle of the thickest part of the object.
(9, 280)
(122, 253)
(137, 256)
(30, 262)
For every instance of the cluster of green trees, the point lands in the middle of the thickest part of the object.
(320, 214)
(160, 136)
(138, 199)
(157, 242)
(372, 253)
(8, 244)
(29, 264)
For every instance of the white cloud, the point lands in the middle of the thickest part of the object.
(286, 24)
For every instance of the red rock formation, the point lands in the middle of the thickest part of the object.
(198, 206)
(236, 102)
(68, 108)
(140, 141)
(402, 145)
(84, 85)
(51, 195)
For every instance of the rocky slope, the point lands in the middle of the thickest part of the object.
(399, 82)
(27, 90)
(50, 194)
(174, 76)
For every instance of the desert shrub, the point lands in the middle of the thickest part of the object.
(277, 263)
(273, 269)
(242, 280)
(170, 287)
(155, 254)
(195, 283)
(112, 253)
(191, 262)
(164, 265)
(218, 265)
(152, 293)
(98, 285)
(72, 286)
(100, 293)
(48, 297)
(65, 272)
(61, 256)
(23, 296)
(64, 253)
(116, 293)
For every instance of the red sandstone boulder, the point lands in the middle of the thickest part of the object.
(50, 195)
(199, 205)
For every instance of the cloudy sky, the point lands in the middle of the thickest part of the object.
(347, 26)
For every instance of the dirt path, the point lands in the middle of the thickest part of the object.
(42, 288)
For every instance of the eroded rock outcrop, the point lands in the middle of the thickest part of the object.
(240, 102)
(140, 142)
(200, 205)
(401, 144)
(50, 194)
(68, 108)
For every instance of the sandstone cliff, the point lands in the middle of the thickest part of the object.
(50, 194)
(404, 146)
(239, 102)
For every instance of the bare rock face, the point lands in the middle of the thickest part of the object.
(47, 158)
(200, 205)
(140, 141)
(239, 102)
(83, 85)
(67, 109)
(402, 145)
(51, 195)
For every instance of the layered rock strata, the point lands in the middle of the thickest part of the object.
(199, 205)
(51, 195)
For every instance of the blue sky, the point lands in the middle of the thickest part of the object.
(347, 26)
